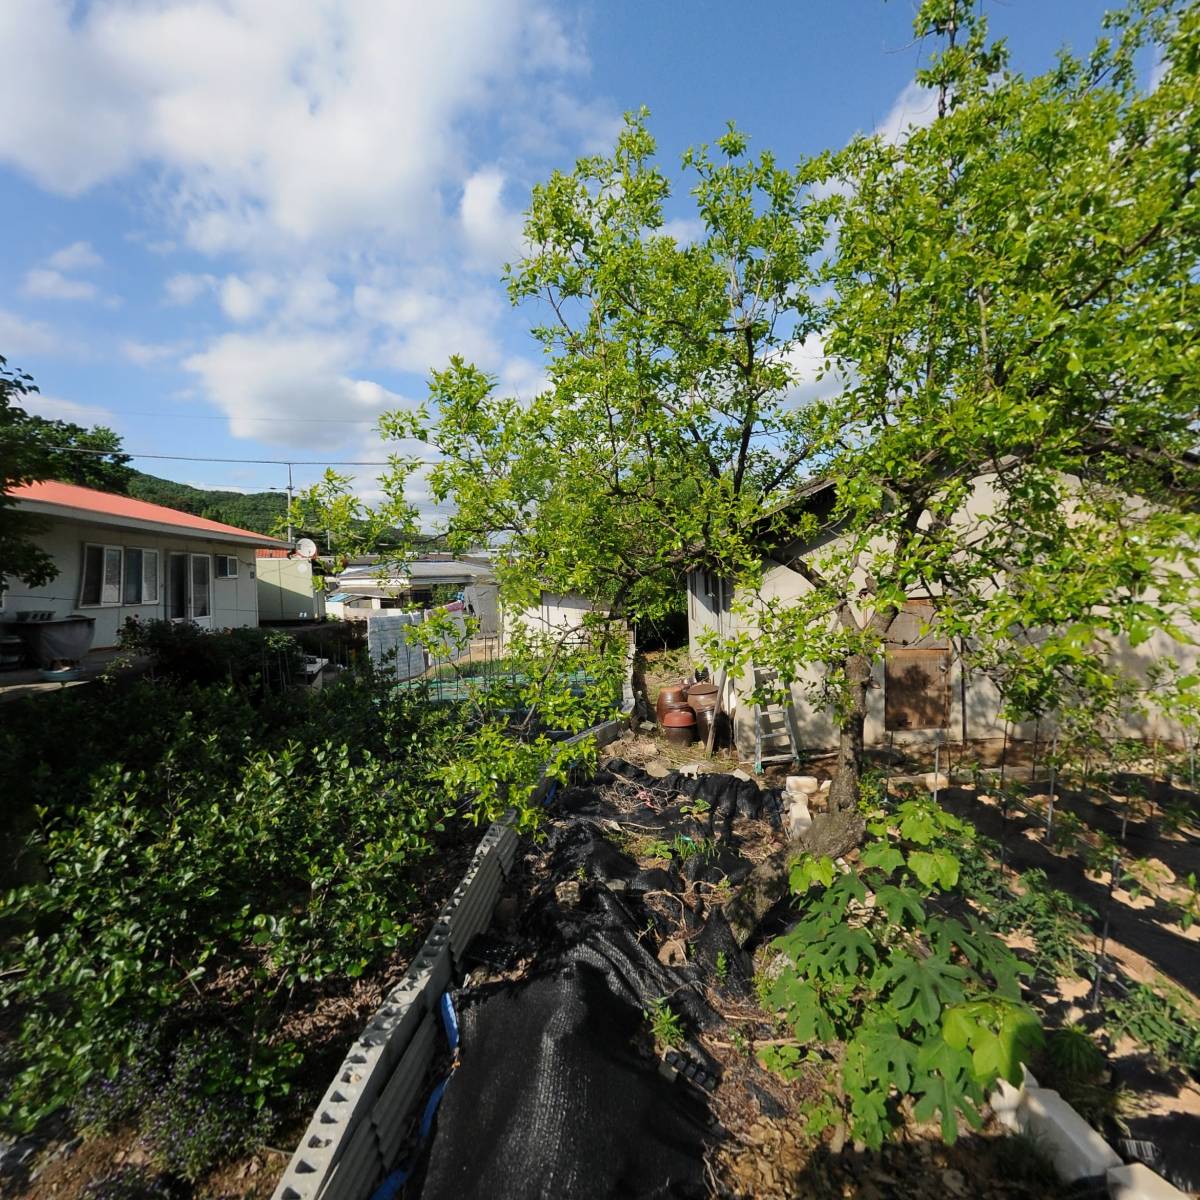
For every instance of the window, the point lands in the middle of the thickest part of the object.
(114, 575)
(227, 566)
(101, 576)
(141, 577)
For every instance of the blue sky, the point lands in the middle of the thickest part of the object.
(244, 228)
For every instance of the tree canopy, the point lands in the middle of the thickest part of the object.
(32, 448)
(1000, 301)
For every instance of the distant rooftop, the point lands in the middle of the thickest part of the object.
(419, 573)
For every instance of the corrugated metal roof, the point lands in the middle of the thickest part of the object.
(422, 571)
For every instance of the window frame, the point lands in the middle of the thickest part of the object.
(218, 573)
(141, 601)
(124, 551)
(104, 548)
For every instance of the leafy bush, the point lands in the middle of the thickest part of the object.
(199, 855)
(132, 1183)
(1071, 1054)
(1161, 1023)
(181, 1097)
(266, 658)
(192, 1122)
(1055, 922)
(921, 1004)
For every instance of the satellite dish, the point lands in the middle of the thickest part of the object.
(306, 548)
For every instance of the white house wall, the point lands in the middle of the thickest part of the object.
(554, 616)
(814, 725)
(234, 601)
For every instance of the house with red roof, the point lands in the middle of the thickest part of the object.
(118, 557)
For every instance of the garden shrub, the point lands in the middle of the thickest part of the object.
(1160, 1023)
(914, 1002)
(265, 658)
(181, 1098)
(133, 1183)
(200, 856)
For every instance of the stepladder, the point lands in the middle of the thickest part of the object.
(773, 722)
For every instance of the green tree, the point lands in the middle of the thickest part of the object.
(1004, 301)
(21, 461)
(76, 454)
(1009, 300)
(669, 415)
(33, 448)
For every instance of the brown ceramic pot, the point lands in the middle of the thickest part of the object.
(673, 696)
(679, 726)
(702, 697)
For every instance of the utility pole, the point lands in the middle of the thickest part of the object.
(289, 506)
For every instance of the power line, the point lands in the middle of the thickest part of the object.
(133, 412)
(272, 462)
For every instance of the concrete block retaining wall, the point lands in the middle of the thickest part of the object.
(358, 1128)
(1076, 1149)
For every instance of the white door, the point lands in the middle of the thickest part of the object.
(189, 589)
(200, 599)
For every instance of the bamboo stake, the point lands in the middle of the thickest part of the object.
(711, 740)
(1053, 779)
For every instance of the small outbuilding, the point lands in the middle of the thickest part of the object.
(287, 587)
(923, 689)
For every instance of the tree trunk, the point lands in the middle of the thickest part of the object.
(831, 835)
(844, 791)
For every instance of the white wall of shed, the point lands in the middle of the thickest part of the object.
(980, 697)
(285, 590)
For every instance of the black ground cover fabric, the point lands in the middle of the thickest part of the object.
(558, 1094)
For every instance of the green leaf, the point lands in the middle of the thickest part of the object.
(918, 825)
(808, 870)
(941, 1083)
(882, 856)
(920, 987)
(900, 902)
(934, 868)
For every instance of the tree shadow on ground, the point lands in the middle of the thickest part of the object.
(979, 1166)
(1140, 930)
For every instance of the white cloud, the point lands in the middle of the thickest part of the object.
(50, 281)
(429, 323)
(47, 284)
(330, 152)
(20, 336)
(183, 289)
(243, 299)
(493, 233)
(522, 377)
(277, 376)
(810, 379)
(314, 298)
(66, 410)
(78, 256)
(360, 111)
(685, 230)
(915, 107)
